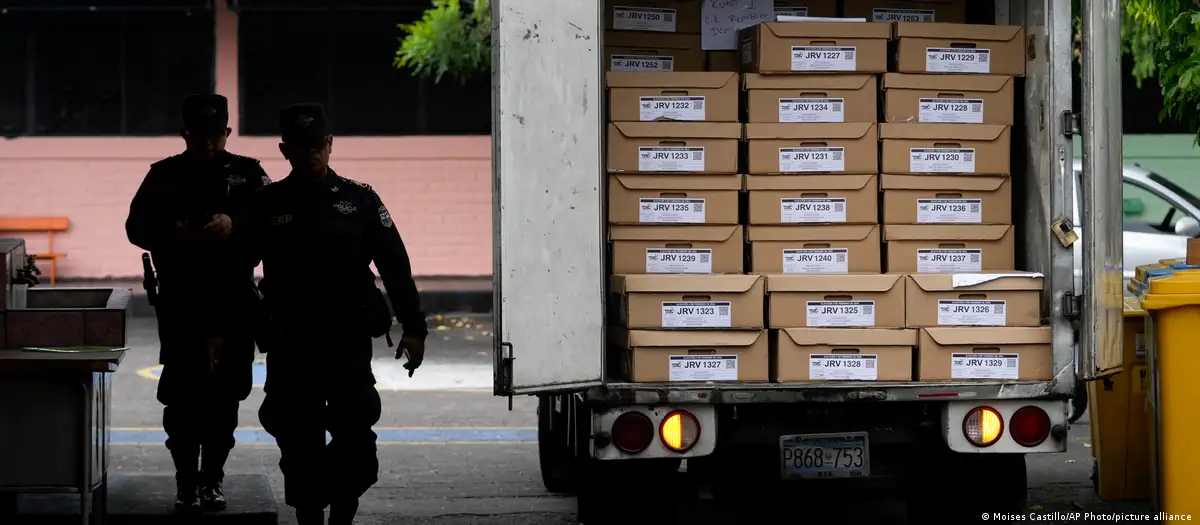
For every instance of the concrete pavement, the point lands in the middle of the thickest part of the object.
(452, 453)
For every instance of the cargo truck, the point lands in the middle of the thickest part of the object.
(600, 436)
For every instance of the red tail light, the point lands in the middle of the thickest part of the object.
(632, 432)
(1029, 426)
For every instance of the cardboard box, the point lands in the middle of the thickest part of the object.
(673, 147)
(951, 11)
(689, 355)
(654, 302)
(722, 61)
(965, 353)
(829, 249)
(946, 199)
(842, 354)
(672, 199)
(685, 96)
(835, 301)
(979, 49)
(1193, 251)
(948, 99)
(945, 149)
(948, 249)
(810, 98)
(813, 199)
(1008, 299)
(812, 148)
(676, 249)
(814, 8)
(812, 47)
(652, 52)
(662, 16)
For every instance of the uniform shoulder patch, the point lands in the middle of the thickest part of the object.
(385, 218)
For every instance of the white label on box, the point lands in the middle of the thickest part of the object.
(839, 367)
(704, 314)
(824, 58)
(950, 260)
(659, 158)
(985, 366)
(643, 19)
(703, 368)
(821, 159)
(671, 108)
(949, 211)
(971, 313)
(816, 260)
(823, 314)
(885, 14)
(781, 10)
(950, 110)
(812, 110)
(671, 210)
(678, 260)
(957, 60)
(941, 160)
(818, 210)
(645, 63)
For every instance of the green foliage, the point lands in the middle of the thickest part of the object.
(448, 41)
(1163, 37)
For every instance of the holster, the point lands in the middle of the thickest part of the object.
(377, 314)
(268, 333)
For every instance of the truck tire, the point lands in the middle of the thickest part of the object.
(555, 454)
(966, 486)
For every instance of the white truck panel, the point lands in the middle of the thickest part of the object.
(549, 224)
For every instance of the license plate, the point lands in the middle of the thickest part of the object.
(825, 456)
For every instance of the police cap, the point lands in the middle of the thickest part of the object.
(304, 124)
(206, 114)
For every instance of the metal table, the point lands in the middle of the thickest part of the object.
(54, 426)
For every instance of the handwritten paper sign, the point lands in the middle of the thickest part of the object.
(723, 19)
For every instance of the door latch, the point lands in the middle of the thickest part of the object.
(504, 372)
(1070, 123)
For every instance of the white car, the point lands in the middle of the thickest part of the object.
(1159, 217)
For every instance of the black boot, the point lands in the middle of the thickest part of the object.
(212, 496)
(212, 473)
(310, 516)
(187, 499)
(186, 459)
(342, 512)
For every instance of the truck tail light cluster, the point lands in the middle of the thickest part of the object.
(633, 431)
(1029, 427)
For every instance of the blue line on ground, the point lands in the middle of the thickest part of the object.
(422, 436)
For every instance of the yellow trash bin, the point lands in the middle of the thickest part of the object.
(1172, 329)
(1121, 467)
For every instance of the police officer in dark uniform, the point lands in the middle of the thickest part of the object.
(317, 234)
(189, 214)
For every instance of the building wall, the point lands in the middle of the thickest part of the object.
(438, 189)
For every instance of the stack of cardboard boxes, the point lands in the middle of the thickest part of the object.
(686, 311)
(813, 187)
(652, 35)
(876, 264)
(947, 202)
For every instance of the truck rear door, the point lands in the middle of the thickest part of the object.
(548, 229)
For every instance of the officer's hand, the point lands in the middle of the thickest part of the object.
(414, 347)
(220, 227)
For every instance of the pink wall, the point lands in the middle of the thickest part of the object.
(438, 189)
